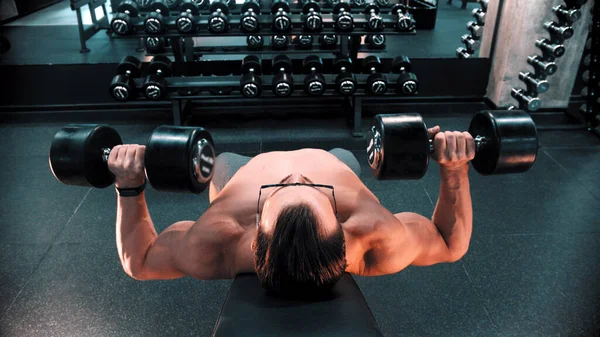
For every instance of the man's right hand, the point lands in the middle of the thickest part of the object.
(453, 149)
(126, 162)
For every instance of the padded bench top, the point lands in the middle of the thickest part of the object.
(249, 311)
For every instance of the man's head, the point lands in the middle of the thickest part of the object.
(299, 249)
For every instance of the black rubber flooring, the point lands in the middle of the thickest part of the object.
(532, 268)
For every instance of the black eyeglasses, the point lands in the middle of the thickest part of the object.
(293, 184)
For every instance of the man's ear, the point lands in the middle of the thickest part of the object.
(253, 245)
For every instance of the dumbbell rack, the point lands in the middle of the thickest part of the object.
(552, 48)
(192, 84)
(98, 24)
(472, 41)
(591, 109)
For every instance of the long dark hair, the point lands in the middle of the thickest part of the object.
(298, 260)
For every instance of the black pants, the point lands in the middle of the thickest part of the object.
(227, 164)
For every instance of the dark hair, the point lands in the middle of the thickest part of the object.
(298, 261)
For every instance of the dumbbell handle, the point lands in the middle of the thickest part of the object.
(480, 142)
(105, 154)
(196, 160)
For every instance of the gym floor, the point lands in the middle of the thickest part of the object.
(532, 268)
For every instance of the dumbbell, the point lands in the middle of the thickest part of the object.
(404, 20)
(399, 146)
(255, 42)
(187, 21)
(312, 20)
(376, 82)
(470, 43)
(479, 16)
(567, 15)
(251, 83)
(177, 159)
(314, 81)
(374, 20)
(303, 41)
(328, 41)
(250, 22)
(154, 44)
(536, 85)
(122, 86)
(155, 21)
(376, 41)
(463, 53)
(282, 22)
(542, 67)
(121, 22)
(527, 102)
(218, 21)
(345, 82)
(484, 4)
(475, 29)
(155, 84)
(202, 4)
(280, 42)
(342, 17)
(559, 33)
(550, 49)
(407, 83)
(283, 82)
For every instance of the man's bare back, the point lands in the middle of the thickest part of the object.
(218, 244)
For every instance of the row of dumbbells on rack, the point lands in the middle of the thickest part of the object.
(559, 31)
(472, 41)
(282, 81)
(589, 77)
(552, 48)
(254, 19)
(157, 45)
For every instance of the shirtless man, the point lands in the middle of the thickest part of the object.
(304, 237)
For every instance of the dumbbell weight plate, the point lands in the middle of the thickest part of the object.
(511, 141)
(255, 42)
(76, 154)
(122, 88)
(154, 44)
(304, 41)
(279, 42)
(190, 7)
(407, 84)
(312, 61)
(160, 64)
(398, 146)
(180, 159)
(129, 64)
(130, 8)
(252, 62)
(160, 6)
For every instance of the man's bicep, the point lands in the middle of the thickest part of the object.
(430, 246)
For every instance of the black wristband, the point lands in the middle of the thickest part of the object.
(131, 192)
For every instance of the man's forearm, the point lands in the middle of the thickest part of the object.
(453, 213)
(135, 231)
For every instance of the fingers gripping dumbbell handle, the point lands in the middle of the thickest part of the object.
(196, 162)
(480, 143)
